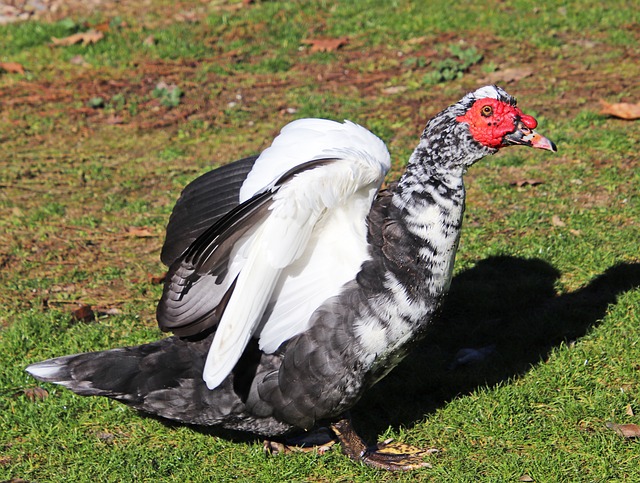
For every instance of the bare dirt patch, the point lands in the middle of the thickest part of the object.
(379, 75)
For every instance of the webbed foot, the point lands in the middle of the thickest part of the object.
(386, 456)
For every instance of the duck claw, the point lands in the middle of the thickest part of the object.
(387, 455)
(396, 457)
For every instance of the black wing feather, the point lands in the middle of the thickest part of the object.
(203, 202)
(192, 300)
(194, 297)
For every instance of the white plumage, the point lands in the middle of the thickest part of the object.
(283, 271)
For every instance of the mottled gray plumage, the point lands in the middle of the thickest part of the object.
(353, 338)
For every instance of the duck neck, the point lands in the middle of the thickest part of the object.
(429, 202)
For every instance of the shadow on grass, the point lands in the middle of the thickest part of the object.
(505, 304)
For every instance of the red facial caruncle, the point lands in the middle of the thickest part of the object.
(490, 120)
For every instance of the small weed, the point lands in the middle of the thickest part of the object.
(96, 103)
(132, 107)
(171, 153)
(169, 95)
(48, 211)
(117, 102)
(453, 68)
(415, 62)
(274, 65)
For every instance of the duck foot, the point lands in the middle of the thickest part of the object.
(385, 456)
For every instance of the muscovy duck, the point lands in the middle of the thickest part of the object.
(294, 285)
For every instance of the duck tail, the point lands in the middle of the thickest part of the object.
(112, 373)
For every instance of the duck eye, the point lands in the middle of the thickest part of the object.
(486, 111)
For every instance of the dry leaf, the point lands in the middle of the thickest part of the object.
(139, 232)
(623, 110)
(108, 311)
(113, 120)
(36, 394)
(105, 436)
(525, 478)
(629, 410)
(556, 221)
(86, 38)
(326, 44)
(418, 40)
(84, 313)
(394, 89)
(12, 67)
(188, 16)
(157, 279)
(78, 60)
(507, 75)
(627, 431)
(523, 182)
(150, 41)
(102, 27)
(287, 110)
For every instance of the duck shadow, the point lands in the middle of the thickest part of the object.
(506, 310)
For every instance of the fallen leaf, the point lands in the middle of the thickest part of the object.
(622, 110)
(556, 221)
(36, 393)
(326, 44)
(394, 89)
(139, 232)
(102, 27)
(86, 38)
(523, 182)
(109, 311)
(105, 436)
(78, 60)
(507, 76)
(575, 232)
(188, 16)
(525, 478)
(150, 41)
(287, 110)
(12, 67)
(629, 410)
(157, 279)
(417, 40)
(627, 431)
(84, 313)
(113, 120)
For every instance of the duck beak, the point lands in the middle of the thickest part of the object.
(525, 136)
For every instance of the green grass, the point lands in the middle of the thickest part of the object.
(547, 274)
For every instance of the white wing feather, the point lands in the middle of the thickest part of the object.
(311, 243)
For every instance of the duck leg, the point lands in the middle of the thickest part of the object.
(385, 456)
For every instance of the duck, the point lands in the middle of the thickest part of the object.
(295, 282)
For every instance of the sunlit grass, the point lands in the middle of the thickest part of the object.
(546, 272)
